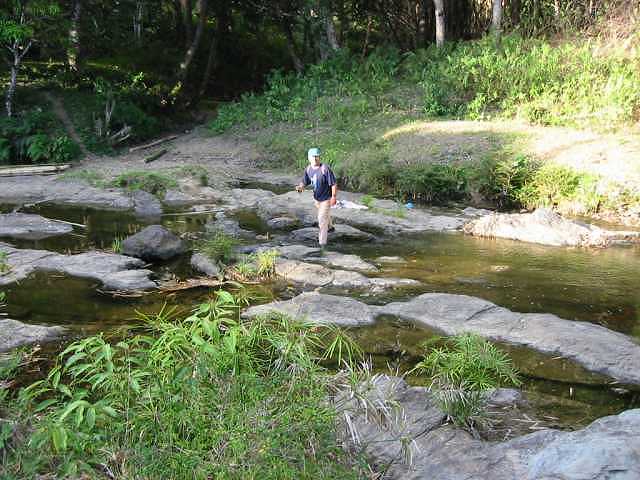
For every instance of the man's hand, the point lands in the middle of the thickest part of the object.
(333, 201)
(299, 188)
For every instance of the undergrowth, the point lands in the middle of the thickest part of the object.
(208, 396)
(152, 182)
(33, 136)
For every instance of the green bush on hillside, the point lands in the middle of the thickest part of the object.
(432, 183)
(32, 137)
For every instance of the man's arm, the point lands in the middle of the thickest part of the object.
(334, 194)
(305, 181)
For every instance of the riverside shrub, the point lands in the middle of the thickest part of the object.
(208, 396)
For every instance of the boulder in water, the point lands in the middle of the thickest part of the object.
(204, 264)
(153, 243)
(546, 227)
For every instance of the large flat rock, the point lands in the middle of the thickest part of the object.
(71, 192)
(343, 233)
(318, 308)
(50, 189)
(390, 217)
(548, 228)
(15, 334)
(607, 449)
(116, 272)
(27, 226)
(596, 349)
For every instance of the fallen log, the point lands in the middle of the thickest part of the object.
(156, 155)
(153, 144)
(190, 283)
(17, 170)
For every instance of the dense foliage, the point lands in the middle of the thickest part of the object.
(207, 396)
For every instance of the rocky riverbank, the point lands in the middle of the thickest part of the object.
(611, 355)
(422, 446)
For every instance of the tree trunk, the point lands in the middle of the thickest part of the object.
(291, 46)
(191, 51)
(74, 51)
(187, 24)
(330, 28)
(137, 21)
(212, 61)
(18, 55)
(440, 25)
(496, 20)
(365, 45)
(515, 6)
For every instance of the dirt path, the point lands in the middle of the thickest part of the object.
(61, 113)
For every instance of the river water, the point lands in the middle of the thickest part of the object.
(594, 285)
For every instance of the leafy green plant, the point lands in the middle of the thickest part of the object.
(432, 183)
(116, 245)
(462, 372)
(4, 262)
(151, 182)
(266, 263)
(502, 181)
(367, 200)
(117, 404)
(219, 246)
(34, 137)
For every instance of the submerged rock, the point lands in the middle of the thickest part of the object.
(341, 260)
(203, 264)
(15, 334)
(311, 274)
(548, 228)
(129, 280)
(26, 226)
(153, 243)
(608, 448)
(109, 268)
(328, 258)
(609, 354)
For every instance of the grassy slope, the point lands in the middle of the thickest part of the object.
(377, 120)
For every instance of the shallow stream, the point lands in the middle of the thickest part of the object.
(594, 285)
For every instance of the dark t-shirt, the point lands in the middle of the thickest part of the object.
(322, 179)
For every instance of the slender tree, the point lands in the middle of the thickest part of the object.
(496, 20)
(440, 23)
(74, 50)
(21, 22)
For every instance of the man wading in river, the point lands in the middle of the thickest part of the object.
(325, 190)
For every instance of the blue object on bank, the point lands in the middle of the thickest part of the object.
(409, 205)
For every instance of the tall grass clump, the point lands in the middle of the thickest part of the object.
(546, 84)
(207, 396)
(463, 370)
